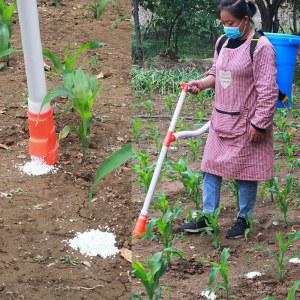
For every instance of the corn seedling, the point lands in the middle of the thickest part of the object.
(148, 104)
(169, 104)
(67, 65)
(282, 196)
(221, 268)
(155, 137)
(136, 129)
(200, 116)
(6, 19)
(150, 275)
(98, 7)
(163, 225)
(6, 13)
(143, 170)
(212, 222)
(108, 166)
(191, 181)
(82, 90)
(280, 255)
(291, 294)
(250, 228)
(194, 145)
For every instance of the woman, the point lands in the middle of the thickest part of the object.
(239, 143)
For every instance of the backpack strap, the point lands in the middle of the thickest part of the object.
(257, 35)
(221, 43)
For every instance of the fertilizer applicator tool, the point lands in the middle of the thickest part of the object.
(141, 224)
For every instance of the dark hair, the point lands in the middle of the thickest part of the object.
(238, 8)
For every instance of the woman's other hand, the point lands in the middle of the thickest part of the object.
(256, 136)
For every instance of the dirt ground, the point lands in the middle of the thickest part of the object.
(188, 278)
(39, 213)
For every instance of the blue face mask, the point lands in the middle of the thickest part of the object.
(232, 32)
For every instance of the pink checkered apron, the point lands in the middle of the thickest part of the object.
(245, 93)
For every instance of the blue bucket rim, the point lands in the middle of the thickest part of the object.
(293, 39)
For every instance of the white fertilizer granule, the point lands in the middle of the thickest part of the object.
(209, 295)
(36, 167)
(252, 275)
(95, 242)
(295, 261)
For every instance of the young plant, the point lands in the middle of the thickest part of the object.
(98, 7)
(280, 256)
(67, 65)
(282, 196)
(154, 136)
(191, 181)
(212, 221)
(169, 104)
(221, 268)
(136, 129)
(156, 267)
(143, 170)
(194, 145)
(163, 225)
(6, 19)
(82, 90)
(148, 104)
(56, 2)
(291, 294)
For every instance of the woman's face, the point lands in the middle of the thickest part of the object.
(228, 20)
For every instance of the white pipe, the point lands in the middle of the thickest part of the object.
(162, 156)
(154, 180)
(193, 133)
(32, 49)
(177, 111)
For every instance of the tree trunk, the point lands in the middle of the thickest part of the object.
(139, 45)
(269, 14)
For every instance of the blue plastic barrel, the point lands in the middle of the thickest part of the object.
(286, 46)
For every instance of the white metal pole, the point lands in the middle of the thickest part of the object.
(32, 49)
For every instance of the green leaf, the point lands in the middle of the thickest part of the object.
(212, 277)
(6, 52)
(58, 92)
(65, 132)
(8, 13)
(55, 60)
(293, 290)
(70, 61)
(110, 164)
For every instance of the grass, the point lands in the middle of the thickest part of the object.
(163, 81)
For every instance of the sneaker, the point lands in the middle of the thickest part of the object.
(238, 229)
(195, 226)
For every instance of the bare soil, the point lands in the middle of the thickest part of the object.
(37, 214)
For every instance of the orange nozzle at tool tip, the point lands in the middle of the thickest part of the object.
(140, 227)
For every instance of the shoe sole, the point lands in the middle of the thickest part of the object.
(197, 230)
(234, 237)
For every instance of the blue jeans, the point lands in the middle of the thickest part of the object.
(211, 195)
